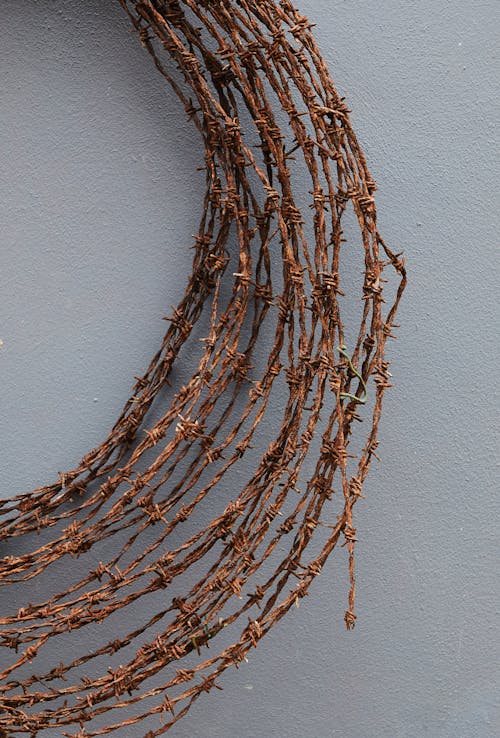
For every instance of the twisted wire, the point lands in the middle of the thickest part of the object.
(260, 96)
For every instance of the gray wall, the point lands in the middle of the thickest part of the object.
(97, 184)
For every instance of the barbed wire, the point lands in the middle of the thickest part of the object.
(243, 70)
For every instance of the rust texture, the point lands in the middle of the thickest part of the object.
(267, 284)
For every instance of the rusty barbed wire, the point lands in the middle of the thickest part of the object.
(243, 70)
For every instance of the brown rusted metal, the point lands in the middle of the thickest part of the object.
(259, 93)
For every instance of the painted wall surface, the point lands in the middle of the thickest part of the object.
(99, 195)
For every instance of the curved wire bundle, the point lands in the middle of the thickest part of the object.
(266, 285)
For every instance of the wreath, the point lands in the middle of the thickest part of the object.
(155, 548)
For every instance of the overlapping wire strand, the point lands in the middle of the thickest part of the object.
(266, 287)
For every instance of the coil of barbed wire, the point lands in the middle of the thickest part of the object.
(195, 580)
